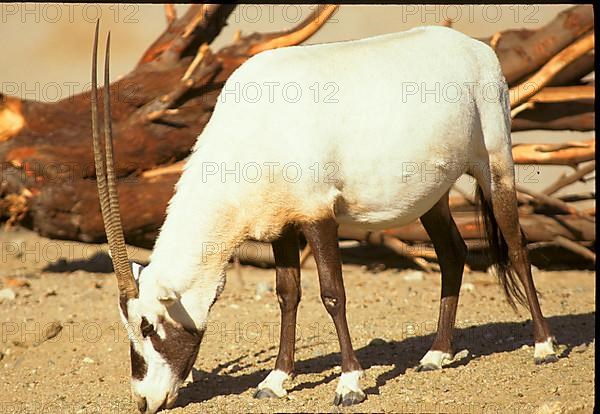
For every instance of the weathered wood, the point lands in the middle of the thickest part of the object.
(555, 119)
(163, 104)
(570, 179)
(536, 227)
(525, 90)
(565, 94)
(523, 51)
(381, 238)
(200, 24)
(574, 71)
(576, 248)
(566, 153)
(561, 206)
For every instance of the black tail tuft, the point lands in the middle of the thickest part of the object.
(498, 253)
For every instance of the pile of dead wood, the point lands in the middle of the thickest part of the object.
(159, 108)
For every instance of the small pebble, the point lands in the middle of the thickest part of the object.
(50, 331)
(7, 294)
(468, 287)
(262, 288)
(88, 360)
(50, 292)
(461, 355)
(415, 276)
(16, 282)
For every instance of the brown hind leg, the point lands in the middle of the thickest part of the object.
(322, 237)
(452, 252)
(287, 273)
(504, 207)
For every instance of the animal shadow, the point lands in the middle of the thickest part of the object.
(480, 340)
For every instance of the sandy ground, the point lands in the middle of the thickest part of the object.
(85, 367)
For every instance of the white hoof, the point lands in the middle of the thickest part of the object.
(545, 351)
(434, 360)
(274, 383)
(348, 391)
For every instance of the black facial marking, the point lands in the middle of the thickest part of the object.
(179, 348)
(138, 365)
(146, 327)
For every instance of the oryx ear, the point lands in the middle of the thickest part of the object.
(167, 296)
(137, 270)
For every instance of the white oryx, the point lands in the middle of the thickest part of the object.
(370, 132)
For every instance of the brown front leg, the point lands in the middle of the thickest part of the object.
(287, 273)
(322, 237)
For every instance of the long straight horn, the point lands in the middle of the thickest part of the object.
(105, 178)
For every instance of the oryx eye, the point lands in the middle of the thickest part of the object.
(146, 327)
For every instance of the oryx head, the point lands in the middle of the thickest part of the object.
(164, 344)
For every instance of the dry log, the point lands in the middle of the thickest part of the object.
(576, 248)
(379, 238)
(537, 228)
(523, 51)
(535, 83)
(170, 13)
(257, 253)
(298, 34)
(72, 211)
(538, 119)
(573, 198)
(561, 206)
(306, 253)
(574, 71)
(567, 153)
(570, 179)
(458, 202)
(200, 24)
(534, 114)
(565, 94)
(569, 232)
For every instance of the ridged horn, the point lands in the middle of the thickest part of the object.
(105, 178)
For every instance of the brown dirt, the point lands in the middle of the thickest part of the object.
(85, 367)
